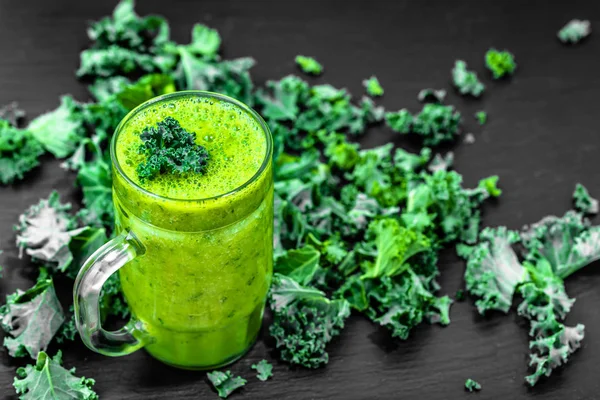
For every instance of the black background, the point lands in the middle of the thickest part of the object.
(541, 138)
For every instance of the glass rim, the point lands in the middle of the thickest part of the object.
(195, 93)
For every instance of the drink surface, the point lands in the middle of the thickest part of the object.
(200, 286)
(235, 142)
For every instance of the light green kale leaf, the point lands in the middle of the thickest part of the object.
(225, 383)
(373, 87)
(61, 130)
(264, 369)
(48, 379)
(31, 319)
(501, 63)
(19, 152)
(309, 65)
(466, 81)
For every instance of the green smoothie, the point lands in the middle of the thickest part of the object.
(199, 287)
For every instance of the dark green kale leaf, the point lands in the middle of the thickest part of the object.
(501, 63)
(472, 386)
(31, 319)
(19, 152)
(264, 369)
(583, 201)
(225, 383)
(436, 123)
(493, 270)
(126, 43)
(48, 379)
(309, 65)
(68, 330)
(466, 81)
(574, 31)
(304, 321)
(373, 87)
(61, 130)
(170, 149)
(229, 77)
(567, 243)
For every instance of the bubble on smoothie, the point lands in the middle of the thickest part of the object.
(235, 142)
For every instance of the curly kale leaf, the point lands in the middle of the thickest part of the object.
(441, 163)
(48, 233)
(31, 319)
(466, 81)
(205, 41)
(115, 60)
(583, 201)
(439, 205)
(551, 341)
(48, 379)
(19, 152)
(574, 31)
(493, 270)
(436, 123)
(68, 330)
(126, 43)
(170, 149)
(225, 383)
(501, 63)
(61, 130)
(45, 231)
(566, 243)
(299, 264)
(264, 369)
(309, 65)
(373, 87)
(229, 77)
(304, 321)
(481, 117)
(395, 246)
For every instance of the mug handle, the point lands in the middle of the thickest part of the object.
(86, 294)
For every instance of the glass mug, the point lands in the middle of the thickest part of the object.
(195, 272)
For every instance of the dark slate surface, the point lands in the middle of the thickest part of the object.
(541, 138)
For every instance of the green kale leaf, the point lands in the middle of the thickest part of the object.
(61, 130)
(436, 123)
(229, 77)
(304, 321)
(264, 369)
(574, 31)
(466, 81)
(373, 87)
(501, 63)
(395, 246)
(583, 201)
(31, 319)
(146, 88)
(566, 243)
(493, 270)
(170, 149)
(299, 264)
(48, 379)
(481, 117)
(472, 386)
(225, 383)
(19, 152)
(205, 41)
(309, 65)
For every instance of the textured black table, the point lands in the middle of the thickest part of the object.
(542, 136)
